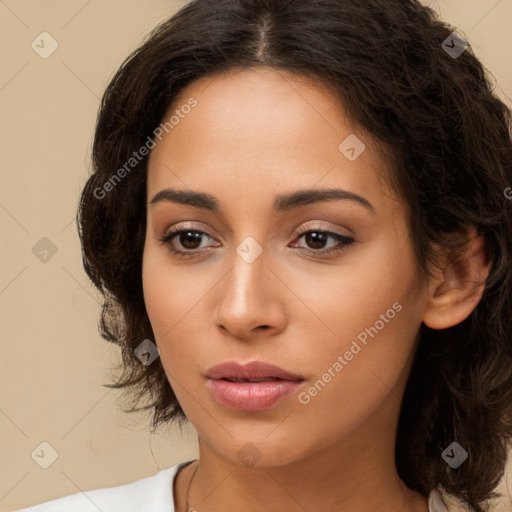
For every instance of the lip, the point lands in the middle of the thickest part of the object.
(266, 385)
(251, 370)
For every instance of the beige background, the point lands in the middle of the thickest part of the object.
(53, 361)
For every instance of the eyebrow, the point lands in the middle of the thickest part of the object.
(282, 203)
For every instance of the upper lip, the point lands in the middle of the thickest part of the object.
(251, 371)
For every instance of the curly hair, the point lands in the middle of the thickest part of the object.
(449, 137)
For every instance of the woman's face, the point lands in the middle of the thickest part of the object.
(338, 307)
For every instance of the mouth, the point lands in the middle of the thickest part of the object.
(253, 371)
(251, 380)
(251, 387)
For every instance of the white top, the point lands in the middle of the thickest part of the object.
(150, 494)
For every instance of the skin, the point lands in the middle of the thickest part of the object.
(255, 134)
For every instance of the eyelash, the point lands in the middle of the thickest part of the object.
(344, 242)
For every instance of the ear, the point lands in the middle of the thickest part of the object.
(456, 289)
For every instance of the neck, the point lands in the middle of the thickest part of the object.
(357, 474)
(315, 485)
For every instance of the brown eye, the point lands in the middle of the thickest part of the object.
(184, 241)
(189, 239)
(317, 239)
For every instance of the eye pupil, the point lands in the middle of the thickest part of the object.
(185, 238)
(318, 239)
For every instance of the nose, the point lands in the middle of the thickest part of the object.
(251, 299)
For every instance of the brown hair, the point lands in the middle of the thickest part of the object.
(450, 139)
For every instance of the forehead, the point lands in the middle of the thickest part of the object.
(262, 129)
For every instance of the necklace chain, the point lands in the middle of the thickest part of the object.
(188, 489)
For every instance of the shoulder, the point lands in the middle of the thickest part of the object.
(439, 501)
(436, 502)
(151, 494)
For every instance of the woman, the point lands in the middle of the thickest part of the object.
(300, 224)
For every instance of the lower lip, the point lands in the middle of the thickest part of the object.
(252, 396)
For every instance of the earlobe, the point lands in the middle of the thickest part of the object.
(456, 289)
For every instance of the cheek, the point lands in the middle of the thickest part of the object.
(169, 294)
(175, 300)
(361, 368)
(373, 315)
(352, 295)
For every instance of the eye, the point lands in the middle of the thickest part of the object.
(188, 238)
(317, 240)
